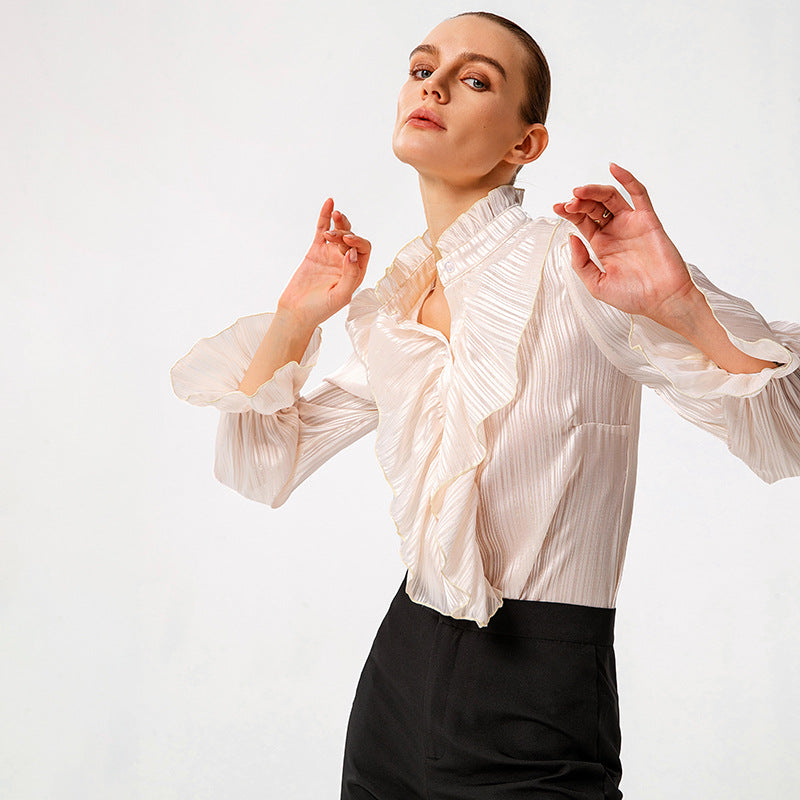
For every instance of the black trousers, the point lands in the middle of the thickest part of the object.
(525, 707)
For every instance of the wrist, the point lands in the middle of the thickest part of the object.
(292, 324)
(690, 315)
(694, 319)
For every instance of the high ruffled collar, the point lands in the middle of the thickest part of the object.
(477, 217)
(464, 243)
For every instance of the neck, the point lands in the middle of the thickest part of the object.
(443, 203)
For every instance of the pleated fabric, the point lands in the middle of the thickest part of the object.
(511, 448)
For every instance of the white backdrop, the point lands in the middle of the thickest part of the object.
(162, 168)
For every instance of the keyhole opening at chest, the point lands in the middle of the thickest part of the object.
(435, 311)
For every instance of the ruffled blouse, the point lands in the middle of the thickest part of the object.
(511, 448)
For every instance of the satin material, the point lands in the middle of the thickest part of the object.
(511, 449)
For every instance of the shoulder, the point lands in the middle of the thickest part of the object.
(555, 229)
(552, 234)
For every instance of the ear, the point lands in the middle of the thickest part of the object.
(531, 146)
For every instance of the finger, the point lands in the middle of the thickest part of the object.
(597, 212)
(346, 236)
(341, 221)
(352, 275)
(639, 195)
(336, 233)
(587, 270)
(324, 220)
(335, 237)
(608, 196)
(346, 240)
(581, 221)
(361, 244)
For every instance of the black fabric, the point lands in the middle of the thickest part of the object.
(525, 707)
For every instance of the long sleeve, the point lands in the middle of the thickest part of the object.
(270, 442)
(756, 414)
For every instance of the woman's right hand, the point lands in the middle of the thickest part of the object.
(331, 271)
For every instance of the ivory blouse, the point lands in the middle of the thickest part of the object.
(511, 449)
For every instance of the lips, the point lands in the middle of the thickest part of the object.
(426, 118)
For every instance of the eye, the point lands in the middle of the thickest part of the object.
(414, 70)
(483, 85)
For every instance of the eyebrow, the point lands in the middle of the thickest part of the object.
(466, 55)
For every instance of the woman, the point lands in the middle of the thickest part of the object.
(502, 370)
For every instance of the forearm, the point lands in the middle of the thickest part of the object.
(284, 341)
(694, 320)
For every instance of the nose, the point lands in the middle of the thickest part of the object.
(433, 86)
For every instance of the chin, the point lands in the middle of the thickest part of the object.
(401, 154)
(417, 155)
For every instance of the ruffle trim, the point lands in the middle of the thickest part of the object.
(209, 374)
(462, 232)
(690, 371)
(463, 244)
(666, 357)
(433, 398)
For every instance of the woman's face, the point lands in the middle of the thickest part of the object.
(468, 72)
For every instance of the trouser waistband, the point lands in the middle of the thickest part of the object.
(536, 619)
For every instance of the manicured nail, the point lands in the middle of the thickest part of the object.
(353, 254)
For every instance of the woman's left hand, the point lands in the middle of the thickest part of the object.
(644, 272)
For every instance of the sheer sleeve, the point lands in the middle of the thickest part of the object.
(756, 414)
(270, 442)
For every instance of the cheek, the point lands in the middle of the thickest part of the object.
(404, 96)
(501, 125)
(491, 124)
(407, 100)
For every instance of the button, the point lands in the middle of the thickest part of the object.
(448, 265)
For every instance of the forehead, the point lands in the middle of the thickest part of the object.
(477, 34)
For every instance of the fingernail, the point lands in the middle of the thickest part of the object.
(353, 254)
